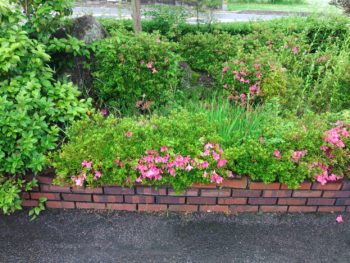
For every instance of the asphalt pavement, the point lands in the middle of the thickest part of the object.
(90, 236)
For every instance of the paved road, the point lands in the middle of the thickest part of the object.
(86, 236)
(220, 16)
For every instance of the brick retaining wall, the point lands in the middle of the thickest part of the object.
(233, 196)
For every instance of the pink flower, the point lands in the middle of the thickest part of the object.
(172, 171)
(149, 65)
(138, 180)
(297, 155)
(79, 181)
(262, 140)
(253, 89)
(345, 133)
(321, 179)
(188, 168)
(163, 149)
(205, 153)
(205, 174)
(86, 164)
(295, 50)
(339, 219)
(277, 154)
(225, 86)
(225, 69)
(203, 165)
(208, 146)
(138, 103)
(216, 156)
(97, 175)
(222, 163)
(230, 174)
(215, 178)
(104, 112)
(154, 70)
(128, 134)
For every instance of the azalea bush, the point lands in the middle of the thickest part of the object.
(131, 69)
(150, 151)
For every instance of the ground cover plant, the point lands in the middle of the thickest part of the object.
(177, 104)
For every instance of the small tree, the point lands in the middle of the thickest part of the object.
(345, 4)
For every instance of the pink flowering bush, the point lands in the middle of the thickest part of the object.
(135, 68)
(152, 151)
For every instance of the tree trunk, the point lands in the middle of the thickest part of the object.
(136, 15)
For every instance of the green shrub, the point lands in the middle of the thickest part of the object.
(259, 158)
(107, 143)
(207, 52)
(33, 107)
(134, 68)
(44, 17)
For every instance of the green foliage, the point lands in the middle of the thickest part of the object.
(103, 141)
(207, 52)
(132, 68)
(33, 106)
(44, 17)
(255, 157)
(10, 189)
(35, 211)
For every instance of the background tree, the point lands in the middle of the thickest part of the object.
(345, 4)
(136, 15)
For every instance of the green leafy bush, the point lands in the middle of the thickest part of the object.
(115, 146)
(135, 68)
(33, 107)
(207, 52)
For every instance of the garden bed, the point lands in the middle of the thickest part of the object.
(232, 196)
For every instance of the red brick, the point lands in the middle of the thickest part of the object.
(30, 203)
(330, 209)
(188, 192)
(214, 208)
(302, 209)
(203, 186)
(302, 186)
(262, 201)
(150, 191)
(183, 208)
(201, 200)
(54, 188)
(137, 199)
(291, 201)
(328, 186)
(346, 184)
(116, 190)
(343, 201)
(44, 179)
(246, 193)
(122, 207)
(152, 208)
(300, 193)
(243, 208)
(98, 190)
(277, 193)
(273, 208)
(320, 201)
(170, 200)
(262, 186)
(235, 183)
(108, 198)
(25, 195)
(232, 201)
(76, 197)
(90, 205)
(59, 204)
(336, 194)
(216, 192)
(49, 196)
